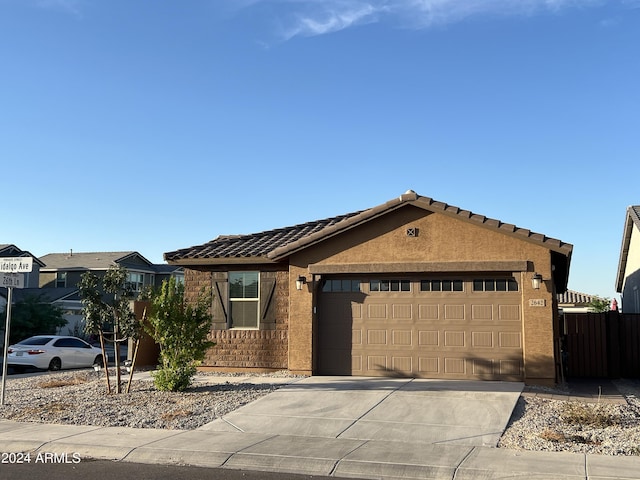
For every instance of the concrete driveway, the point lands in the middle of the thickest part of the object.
(468, 413)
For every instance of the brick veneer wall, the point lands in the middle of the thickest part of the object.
(240, 350)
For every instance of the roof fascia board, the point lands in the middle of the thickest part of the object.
(187, 262)
(494, 225)
(69, 269)
(419, 267)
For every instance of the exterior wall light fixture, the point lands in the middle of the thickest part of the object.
(300, 282)
(536, 280)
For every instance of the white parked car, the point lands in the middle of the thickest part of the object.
(53, 352)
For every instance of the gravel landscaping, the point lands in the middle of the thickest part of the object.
(597, 427)
(80, 398)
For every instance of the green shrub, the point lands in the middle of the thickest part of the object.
(169, 379)
(182, 331)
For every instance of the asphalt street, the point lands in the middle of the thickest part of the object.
(109, 470)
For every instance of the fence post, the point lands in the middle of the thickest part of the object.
(613, 344)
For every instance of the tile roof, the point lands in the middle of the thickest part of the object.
(276, 244)
(573, 297)
(254, 244)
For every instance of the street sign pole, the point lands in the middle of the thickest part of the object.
(6, 344)
(15, 267)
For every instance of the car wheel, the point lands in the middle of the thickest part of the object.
(99, 361)
(55, 364)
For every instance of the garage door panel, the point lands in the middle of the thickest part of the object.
(356, 365)
(428, 312)
(402, 312)
(427, 334)
(429, 366)
(377, 311)
(402, 338)
(377, 337)
(428, 338)
(402, 364)
(482, 339)
(482, 312)
(454, 366)
(377, 363)
(483, 367)
(454, 339)
(509, 313)
(510, 340)
(454, 312)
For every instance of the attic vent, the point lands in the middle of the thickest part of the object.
(412, 232)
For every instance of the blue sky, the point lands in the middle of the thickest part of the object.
(152, 126)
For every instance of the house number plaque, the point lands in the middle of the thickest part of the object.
(537, 302)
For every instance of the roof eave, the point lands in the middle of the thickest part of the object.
(191, 262)
(631, 219)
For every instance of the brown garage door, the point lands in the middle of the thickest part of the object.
(466, 328)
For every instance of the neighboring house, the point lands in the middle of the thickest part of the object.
(412, 287)
(575, 302)
(62, 273)
(67, 299)
(628, 277)
(31, 279)
(63, 270)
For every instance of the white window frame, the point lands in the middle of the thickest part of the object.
(255, 299)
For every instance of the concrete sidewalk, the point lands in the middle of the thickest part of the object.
(343, 427)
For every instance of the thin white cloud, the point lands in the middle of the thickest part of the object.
(332, 17)
(68, 6)
(319, 17)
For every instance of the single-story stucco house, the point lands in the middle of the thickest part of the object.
(412, 287)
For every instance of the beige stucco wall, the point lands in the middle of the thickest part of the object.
(633, 258)
(631, 285)
(440, 239)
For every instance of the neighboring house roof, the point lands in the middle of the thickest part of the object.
(165, 269)
(87, 260)
(8, 249)
(275, 245)
(632, 219)
(49, 295)
(571, 297)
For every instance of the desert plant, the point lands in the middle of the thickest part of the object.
(594, 415)
(181, 330)
(105, 304)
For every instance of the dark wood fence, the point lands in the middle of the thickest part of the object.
(601, 344)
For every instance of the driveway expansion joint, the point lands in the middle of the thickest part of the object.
(374, 407)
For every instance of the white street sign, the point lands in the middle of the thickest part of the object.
(15, 280)
(16, 264)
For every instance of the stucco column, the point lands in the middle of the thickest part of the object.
(300, 322)
(537, 321)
